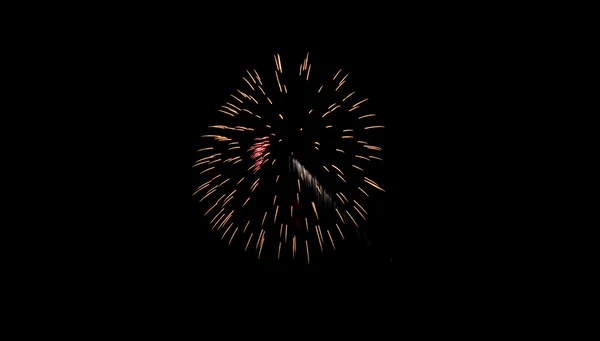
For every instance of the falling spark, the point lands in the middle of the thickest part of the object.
(249, 239)
(279, 250)
(341, 234)
(233, 235)
(365, 116)
(307, 253)
(340, 70)
(332, 243)
(315, 209)
(374, 127)
(263, 221)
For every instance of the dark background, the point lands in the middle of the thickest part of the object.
(432, 90)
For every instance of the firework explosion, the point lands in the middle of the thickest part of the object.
(309, 199)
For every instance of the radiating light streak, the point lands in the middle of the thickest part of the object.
(365, 116)
(249, 239)
(247, 82)
(374, 184)
(315, 209)
(340, 70)
(307, 253)
(278, 83)
(354, 221)
(332, 243)
(360, 169)
(374, 127)
(233, 235)
(340, 230)
(276, 210)
(263, 221)
(245, 227)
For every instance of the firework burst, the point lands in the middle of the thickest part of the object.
(290, 171)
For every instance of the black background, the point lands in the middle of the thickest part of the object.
(432, 89)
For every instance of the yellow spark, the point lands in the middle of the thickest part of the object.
(217, 215)
(208, 148)
(268, 99)
(294, 247)
(347, 137)
(279, 251)
(339, 214)
(344, 197)
(273, 163)
(232, 148)
(341, 178)
(276, 210)
(285, 233)
(356, 202)
(249, 74)
(360, 169)
(263, 221)
(374, 184)
(242, 179)
(372, 147)
(232, 236)
(245, 227)
(207, 194)
(349, 215)
(249, 239)
(298, 185)
(332, 243)
(250, 85)
(352, 93)
(340, 70)
(307, 253)
(308, 73)
(239, 100)
(216, 203)
(318, 229)
(365, 116)
(339, 170)
(284, 88)
(375, 157)
(225, 112)
(374, 127)
(262, 241)
(280, 230)
(317, 148)
(258, 77)
(319, 91)
(353, 108)
(277, 76)
(300, 73)
(315, 209)
(326, 168)
(280, 116)
(306, 221)
(361, 157)
(357, 104)
(280, 66)
(341, 234)
(347, 130)
(277, 179)
(365, 193)
(359, 212)
(259, 239)
(297, 198)
(245, 202)
(310, 111)
(274, 199)
(341, 83)
(330, 126)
